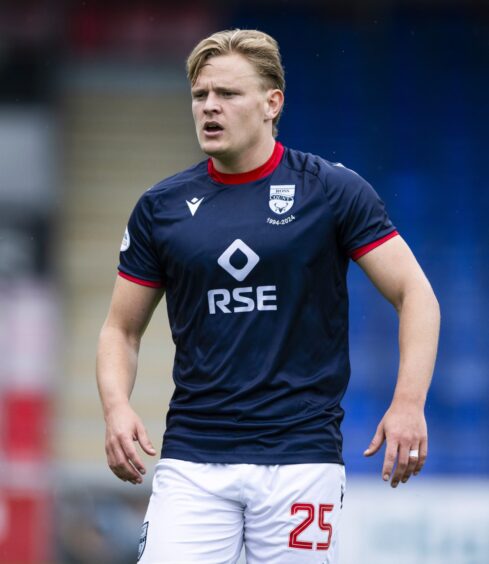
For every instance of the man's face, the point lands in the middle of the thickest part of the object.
(229, 105)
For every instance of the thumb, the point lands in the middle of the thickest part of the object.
(376, 443)
(144, 441)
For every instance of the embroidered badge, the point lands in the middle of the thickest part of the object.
(281, 198)
(126, 241)
(142, 539)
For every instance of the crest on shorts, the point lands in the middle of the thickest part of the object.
(281, 198)
(142, 539)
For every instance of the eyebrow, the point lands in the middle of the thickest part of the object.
(218, 89)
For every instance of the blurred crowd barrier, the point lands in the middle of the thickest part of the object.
(428, 520)
(29, 333)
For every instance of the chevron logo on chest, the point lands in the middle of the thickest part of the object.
(194, 204)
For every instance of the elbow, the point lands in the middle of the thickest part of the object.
(421, 294)
(436, 307)
(431, 300)
(111, 334)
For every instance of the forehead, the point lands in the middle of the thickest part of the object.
(233, 69)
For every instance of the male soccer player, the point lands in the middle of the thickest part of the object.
(252, 248)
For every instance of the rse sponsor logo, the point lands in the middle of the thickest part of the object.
(252, 259)
(221, 299)
(241, 299)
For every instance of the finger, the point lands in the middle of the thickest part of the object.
(389, 459)
(144, 441)
(124, 470)
(412, 462)
(132, 456)
(423, 453)
(402, 464)
(376, 442)
(120, 465)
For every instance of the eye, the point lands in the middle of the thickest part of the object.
(198, 95)
(228, 94)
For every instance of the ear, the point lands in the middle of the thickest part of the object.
(273, 104)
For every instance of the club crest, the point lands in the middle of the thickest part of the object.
(142, 539)
(281, 198)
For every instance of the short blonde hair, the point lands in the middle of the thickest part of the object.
(259, 48)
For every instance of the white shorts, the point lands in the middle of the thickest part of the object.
(203, 513)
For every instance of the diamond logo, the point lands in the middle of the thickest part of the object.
(224, 260)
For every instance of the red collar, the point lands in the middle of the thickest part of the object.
(244, 177)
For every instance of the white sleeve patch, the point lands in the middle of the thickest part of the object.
(341, 165)
(126, 241)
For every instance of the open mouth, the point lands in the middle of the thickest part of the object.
(212, 127)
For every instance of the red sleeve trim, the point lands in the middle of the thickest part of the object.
(141, 282)
(357, 253)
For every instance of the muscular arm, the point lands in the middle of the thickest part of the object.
(130, 311)
(397, 275)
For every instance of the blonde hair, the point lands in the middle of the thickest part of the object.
(259, 48)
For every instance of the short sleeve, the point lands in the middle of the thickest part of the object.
(138, 259)
(362, 220)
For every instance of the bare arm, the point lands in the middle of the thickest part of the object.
(130, 312)
(395, 272)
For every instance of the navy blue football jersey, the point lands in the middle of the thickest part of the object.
(254, 267)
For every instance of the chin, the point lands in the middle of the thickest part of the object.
(212, 148)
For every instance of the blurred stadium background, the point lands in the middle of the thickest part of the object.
(94, 109)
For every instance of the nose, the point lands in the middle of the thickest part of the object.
(211, 104)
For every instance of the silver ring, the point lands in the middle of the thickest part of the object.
(414, 453)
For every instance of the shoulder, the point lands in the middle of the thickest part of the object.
(332, 175)
(159, 196)
(197, 172)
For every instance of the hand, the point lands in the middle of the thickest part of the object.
(404, 429)
(124, 427)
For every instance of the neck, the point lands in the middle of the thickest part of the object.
(246, 160)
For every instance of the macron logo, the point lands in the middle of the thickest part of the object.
(194, 204)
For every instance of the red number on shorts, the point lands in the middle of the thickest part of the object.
(323, 509)
(294, 542)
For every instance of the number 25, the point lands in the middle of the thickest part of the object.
(294, 542)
